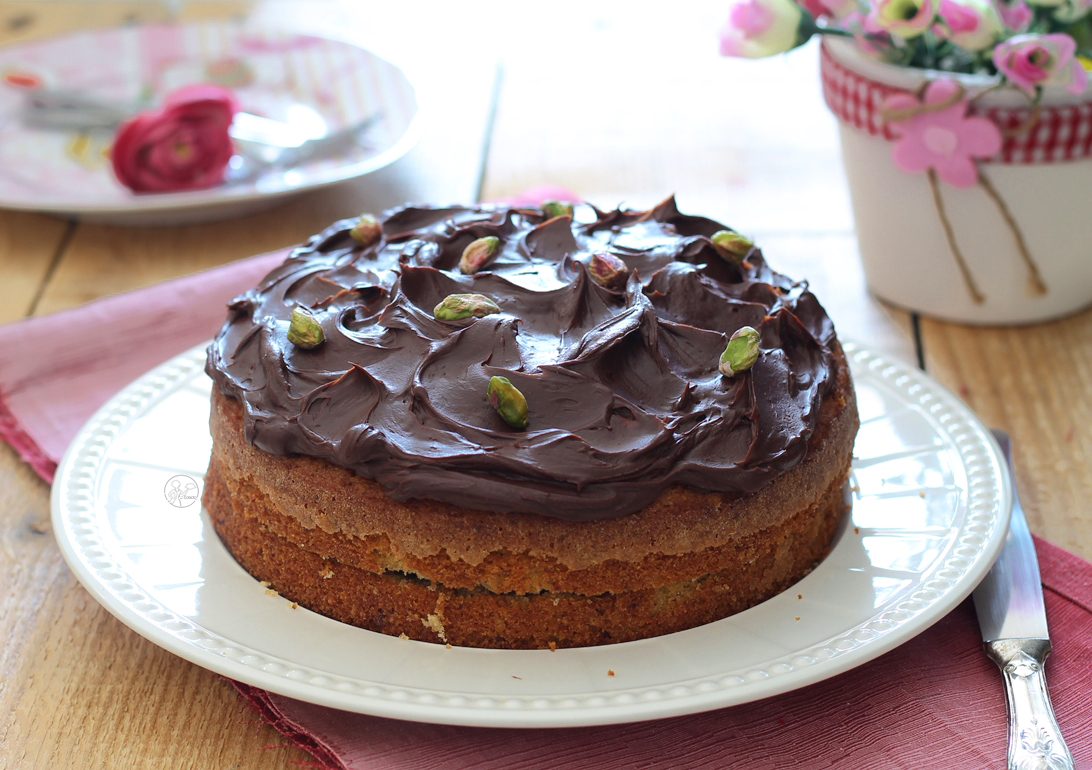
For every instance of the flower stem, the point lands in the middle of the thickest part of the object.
(833, 31)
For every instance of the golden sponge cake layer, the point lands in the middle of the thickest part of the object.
(335, 543)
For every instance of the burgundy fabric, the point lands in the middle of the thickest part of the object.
(934, 702)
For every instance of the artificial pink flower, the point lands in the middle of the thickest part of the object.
(944, 139)
(901, 18)
(184, 145)
(1015, 15)
(876, 43)
(1030, 61)
(829, 9)
(1072, 10)
(758, 28)
(817, 9)
(971, 24)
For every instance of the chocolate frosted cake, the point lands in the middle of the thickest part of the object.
(524, 428)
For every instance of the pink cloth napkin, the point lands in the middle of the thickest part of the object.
(55, 371)
(934, 702)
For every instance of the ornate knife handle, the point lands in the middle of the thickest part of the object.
(1035, 742)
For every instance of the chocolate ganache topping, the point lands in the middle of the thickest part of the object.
(624, 397)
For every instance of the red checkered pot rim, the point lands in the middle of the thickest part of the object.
(1057, 134)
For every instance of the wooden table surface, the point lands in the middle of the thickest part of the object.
(612, 105)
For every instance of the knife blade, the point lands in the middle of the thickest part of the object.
(1012, 618)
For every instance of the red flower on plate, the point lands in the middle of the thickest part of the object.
(184, 145)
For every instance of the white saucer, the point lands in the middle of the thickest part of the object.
(931, 500)
(272, 74)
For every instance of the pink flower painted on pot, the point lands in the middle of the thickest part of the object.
(942, 138)
(758, 28)
(900, 18)
(971, 24)
(1030, 61)
(184, 145)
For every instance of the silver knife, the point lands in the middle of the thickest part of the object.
(1012, 617)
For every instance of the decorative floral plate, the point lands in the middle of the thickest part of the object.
(931, 500)
(326, 84)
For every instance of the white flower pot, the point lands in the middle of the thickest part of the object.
(908, 256)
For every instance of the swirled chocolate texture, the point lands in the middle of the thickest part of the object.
(622, 384)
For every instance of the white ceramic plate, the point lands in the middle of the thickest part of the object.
(931, 500)
(326, 84)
